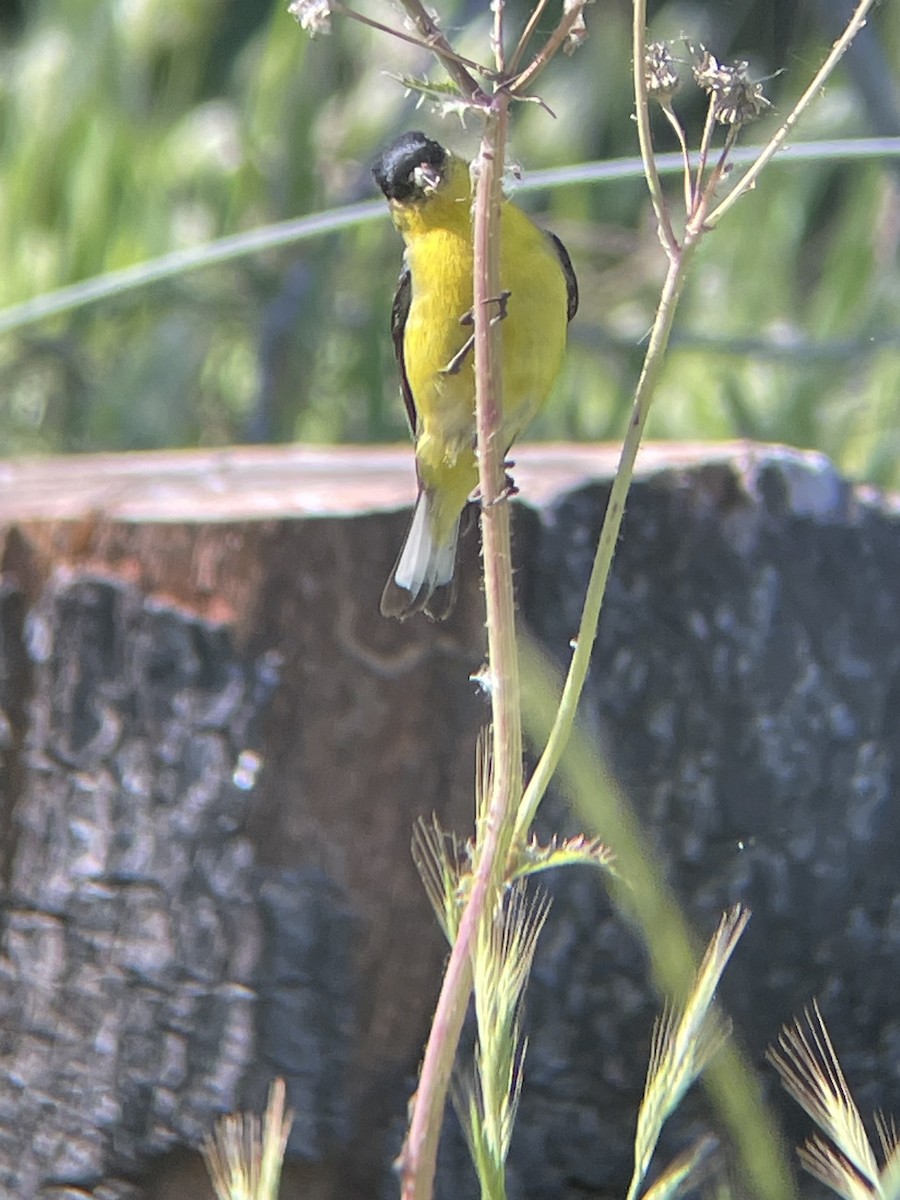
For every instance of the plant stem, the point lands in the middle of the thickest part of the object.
(419, 1153)
(493, 835)
(527, 34)
(654, 361)
(431, 34)
(547, 51)
(670, 116)
(709, 126)
(503, 662)
(679, 261)
(447, 54)
(645, 140)
(497, 36)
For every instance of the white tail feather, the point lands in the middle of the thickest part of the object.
(424, 566)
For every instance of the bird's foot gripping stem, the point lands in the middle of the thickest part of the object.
(508, 490)
(454, 366)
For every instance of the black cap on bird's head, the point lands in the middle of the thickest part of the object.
(410, 167)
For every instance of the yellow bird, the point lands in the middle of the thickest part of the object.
(429, 191)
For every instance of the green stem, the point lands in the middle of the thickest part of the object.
(645, 140)
(670, 116)
(180, 262)
(497, 36)
(705, 141)
(654, 362)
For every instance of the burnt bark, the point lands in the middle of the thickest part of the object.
(213, 750)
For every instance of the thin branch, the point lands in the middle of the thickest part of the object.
(717, 174)
(654, 359)
(645, 139)
(679, 260)
(536, 13)
(670, 116)
(434, 39)
(497, 9)
(179, 262)
(709, 126)
(553, 43)
(609, 535)
(448, 54)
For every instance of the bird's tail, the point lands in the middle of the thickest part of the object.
(423, 578)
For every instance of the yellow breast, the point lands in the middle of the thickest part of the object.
(438, 236)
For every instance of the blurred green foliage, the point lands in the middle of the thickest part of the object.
(129, 128)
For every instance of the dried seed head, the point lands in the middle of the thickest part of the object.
(660, 72)
(736, 99)
(741, 102)
(577, 34)
(709, 73)
(313, 15)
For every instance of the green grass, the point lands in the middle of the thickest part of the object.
(134, 130)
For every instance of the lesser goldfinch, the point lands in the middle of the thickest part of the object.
(429, 191)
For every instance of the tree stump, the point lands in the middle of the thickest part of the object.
(213, 751)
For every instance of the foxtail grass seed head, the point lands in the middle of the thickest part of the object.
(684, 1041)
(841, 1156)
(660, 72)
(691, 1172)
(888, 1136)
(245, 1153)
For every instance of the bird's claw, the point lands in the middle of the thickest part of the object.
(507, 492)
(454, 366)
(502, 302)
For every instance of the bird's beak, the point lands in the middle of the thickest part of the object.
(426, 177)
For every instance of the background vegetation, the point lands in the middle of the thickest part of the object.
(130, 128)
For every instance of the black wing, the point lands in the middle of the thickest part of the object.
(399, 313)
(569, 272)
